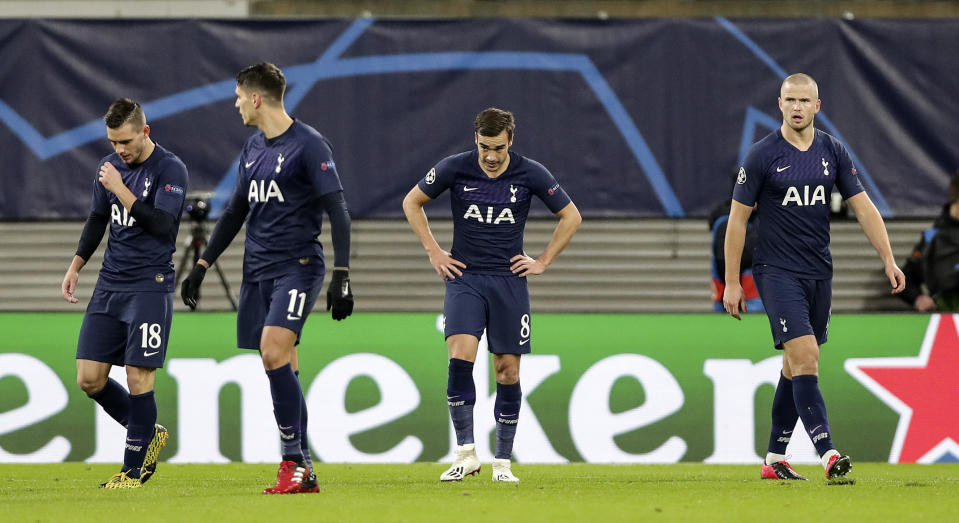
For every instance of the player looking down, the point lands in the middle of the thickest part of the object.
(138, 192)
(491, 190)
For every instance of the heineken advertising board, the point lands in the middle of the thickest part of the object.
(596, 388)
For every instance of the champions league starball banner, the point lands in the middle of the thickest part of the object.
(636, 118)
(597, 388)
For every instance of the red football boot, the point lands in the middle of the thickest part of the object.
(309, 484)
(780, 470)
(289, 479)
(838, 467)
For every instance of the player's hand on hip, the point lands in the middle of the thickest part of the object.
(339, 295)
(69, 286)
(110, 177)
(190, 288)
(524, 265)
(734, 300)
(896, 278)
(446, 266)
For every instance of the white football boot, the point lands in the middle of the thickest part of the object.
(466, 464)
(502, 472)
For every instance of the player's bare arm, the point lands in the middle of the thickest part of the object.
(871, 222)
(734, 299)
(444, 264)
(69, 285)
(112, 181)
(569, 220)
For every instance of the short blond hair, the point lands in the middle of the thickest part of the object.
(800, 78)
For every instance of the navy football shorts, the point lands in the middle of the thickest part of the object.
(498, 303)
(795, 306)
(126, 328)
(284, 301)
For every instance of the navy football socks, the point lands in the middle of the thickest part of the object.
(506, 413)
(812, 410)
(304, 442)
(287, 398)
(115, 401)
(461, 396)
(143, 417)
(784, 416)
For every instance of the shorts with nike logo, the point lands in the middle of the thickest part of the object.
(126, 328)
(498, 303)
(795, 306)
(284, 301)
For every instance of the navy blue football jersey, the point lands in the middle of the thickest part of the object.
(489, 214)
(136, 260)
(279, 184)
(793, 190)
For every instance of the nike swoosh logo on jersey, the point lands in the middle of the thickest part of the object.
(286, 428)
(468, 189)
(292, 318)
(781, 169)
(248, 164)
(148, 354)
(524, 342)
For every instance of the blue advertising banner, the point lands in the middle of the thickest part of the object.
(636, 118)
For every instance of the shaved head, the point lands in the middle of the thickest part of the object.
(799, 103)
(800, 80)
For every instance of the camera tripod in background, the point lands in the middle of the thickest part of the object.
(197, 207)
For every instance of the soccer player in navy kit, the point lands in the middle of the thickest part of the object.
(286, 179)
(138, 192)
(791, 174)
(490, 193)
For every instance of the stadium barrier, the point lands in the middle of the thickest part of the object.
(625, 388)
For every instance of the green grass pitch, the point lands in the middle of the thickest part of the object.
(573, 492)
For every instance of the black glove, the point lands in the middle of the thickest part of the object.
(190, 288)
(339, 295)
